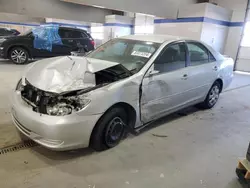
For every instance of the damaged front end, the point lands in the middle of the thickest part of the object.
(51, 103)
(62, 87)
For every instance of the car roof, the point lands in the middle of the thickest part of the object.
(153, 38)
(72, 28)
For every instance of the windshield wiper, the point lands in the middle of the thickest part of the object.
(133, 70)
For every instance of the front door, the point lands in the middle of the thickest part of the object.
(164, 86)
(37, 39)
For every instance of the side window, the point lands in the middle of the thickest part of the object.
(64, 33)
(211, 57)
(84, 35)
(198, 54)
(77, 35)
(172, 58)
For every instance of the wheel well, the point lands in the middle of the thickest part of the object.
(129, 110)
(221, 83)
(20, 47)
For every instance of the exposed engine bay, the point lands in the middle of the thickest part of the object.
(65, 103)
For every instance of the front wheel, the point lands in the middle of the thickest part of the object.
(19, 55)
(212, 96)
(109, 130)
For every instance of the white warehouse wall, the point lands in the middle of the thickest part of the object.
(205, 22)
(54, 9)
(232, 46)
(162, 8)
(189, 30)
(70, 23)
(21, 23)
(183, 26)
(143, 24)
(196, 10)
(215, 33)
(116, 26)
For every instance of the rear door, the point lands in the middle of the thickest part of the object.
(67, 42)
(202, 70)
(82, 41)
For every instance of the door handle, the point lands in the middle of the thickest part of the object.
(215, 68)
(184, 77)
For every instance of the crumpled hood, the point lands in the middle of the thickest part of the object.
(65, 73)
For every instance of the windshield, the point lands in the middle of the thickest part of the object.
(132, 54)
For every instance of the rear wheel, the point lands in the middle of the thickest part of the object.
(19, 55)
(109, 130)
(212, 96)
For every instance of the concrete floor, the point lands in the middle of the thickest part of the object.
(199, 150)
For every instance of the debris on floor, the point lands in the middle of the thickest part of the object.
(127, 182)
(134, 171)
(161, 136)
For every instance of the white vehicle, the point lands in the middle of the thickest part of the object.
(71, 102)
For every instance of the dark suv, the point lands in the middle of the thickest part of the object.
(6, 32)
(43, 42)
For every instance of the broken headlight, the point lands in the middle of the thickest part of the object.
(66, 107)
(19, 86)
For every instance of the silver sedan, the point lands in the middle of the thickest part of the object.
(71, 102)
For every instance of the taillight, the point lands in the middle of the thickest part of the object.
(92, 42)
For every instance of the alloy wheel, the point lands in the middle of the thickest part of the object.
(18, 56)
(214, 95)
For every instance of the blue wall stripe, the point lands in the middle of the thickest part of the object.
(157, 21)
(118, 24)
(18, 23)
(236, 24)
(200, 19)
(217, 22)
(195, 19)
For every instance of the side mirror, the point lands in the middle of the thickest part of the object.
(152, 72)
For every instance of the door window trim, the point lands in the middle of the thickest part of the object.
(163, 50)
(209, 53)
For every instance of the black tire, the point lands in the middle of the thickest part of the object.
(101, 138)
(19, 55)
(207, 104)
